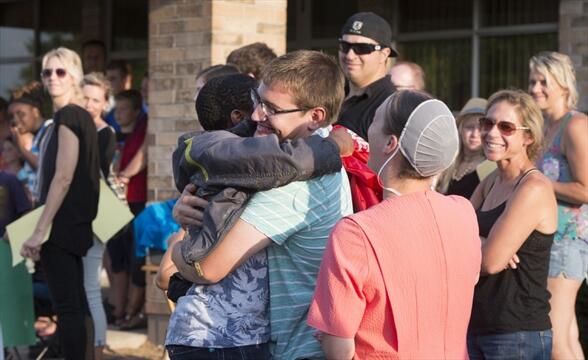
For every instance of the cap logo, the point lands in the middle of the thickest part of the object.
(357, 25)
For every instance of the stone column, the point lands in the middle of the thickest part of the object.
(184, 37)
(573, 41)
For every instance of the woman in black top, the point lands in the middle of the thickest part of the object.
(96, 91)
(462, 178)
(517, 217)
(69, 187)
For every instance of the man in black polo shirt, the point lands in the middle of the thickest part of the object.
(364, 48)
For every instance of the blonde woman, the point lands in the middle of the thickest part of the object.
(462, 178)
(552, 84)
(69, 187)
(517, 218)
(96, 92)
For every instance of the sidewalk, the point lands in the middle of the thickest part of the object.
(131, 345)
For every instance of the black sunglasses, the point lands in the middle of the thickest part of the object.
(506, 128)
(46, 73)
(358, 48)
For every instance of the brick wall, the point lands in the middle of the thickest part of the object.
(238, 23)
(573, 40)
(184, 37)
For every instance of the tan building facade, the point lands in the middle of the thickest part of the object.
(184, 38)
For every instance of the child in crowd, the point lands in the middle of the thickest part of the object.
(123, 266)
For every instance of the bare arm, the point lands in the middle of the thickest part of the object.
(22, 143)
(65, 164)
(136, 165)
(337, 348)
(240, 243)
(166, 266)
(515, 225)
(575, 143)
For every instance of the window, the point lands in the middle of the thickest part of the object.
(17, 46)
(30, 28)
(466, 47)
(504, 61)
(447, 65)
(426, 15)
(128, 40)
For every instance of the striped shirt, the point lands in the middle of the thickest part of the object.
(298, 218)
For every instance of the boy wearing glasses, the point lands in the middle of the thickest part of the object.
(300, 93)
(364, 49)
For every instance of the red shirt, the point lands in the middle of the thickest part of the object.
(137, 187)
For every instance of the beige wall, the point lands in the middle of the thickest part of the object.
(184, 37)
(573, 40)
(238, 23)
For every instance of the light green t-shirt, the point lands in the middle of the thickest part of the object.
(298, 218)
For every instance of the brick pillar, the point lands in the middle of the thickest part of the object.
(238, 23)
(573, 41)
(184, 37)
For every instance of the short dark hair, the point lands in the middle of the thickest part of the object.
(216, 70)
(94, 43)
(134, 96)
(220, 96)
(121, 65)
(400, 107)
(31, 94)
(250, 59)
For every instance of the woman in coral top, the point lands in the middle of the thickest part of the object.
(397, 280)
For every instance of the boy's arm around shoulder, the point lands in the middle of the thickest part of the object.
(220, 159)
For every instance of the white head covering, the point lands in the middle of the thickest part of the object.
(429, 140)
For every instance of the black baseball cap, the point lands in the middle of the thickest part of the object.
(371, 26)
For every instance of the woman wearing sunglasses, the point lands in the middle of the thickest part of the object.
(68, 185)
(517, 218)
(552, 84)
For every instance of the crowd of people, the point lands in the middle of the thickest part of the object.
(329, 209)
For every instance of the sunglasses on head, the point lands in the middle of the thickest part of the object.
(506, 128)
(46, 73)
(358, 48)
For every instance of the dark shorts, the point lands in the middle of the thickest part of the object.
(121, 249)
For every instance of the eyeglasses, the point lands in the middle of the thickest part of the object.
(506, 128)
(267, 109)
(46, 73)
(358, 48)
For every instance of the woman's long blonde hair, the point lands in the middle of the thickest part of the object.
(561, 68)
(465, 115)
(73, 65)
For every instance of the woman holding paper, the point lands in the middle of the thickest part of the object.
(69, 188)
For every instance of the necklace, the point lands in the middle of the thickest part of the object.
(470, 167)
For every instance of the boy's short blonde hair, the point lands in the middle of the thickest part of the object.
(314, 79)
